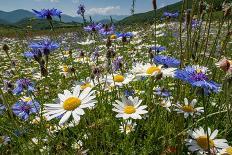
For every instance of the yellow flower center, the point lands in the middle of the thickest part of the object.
(199, 71)
(85, 85)
(66, 52)
(129, 109)
(118, 78)
(202, 141)
(26, 99)
(71, 103)
(153, 69)
(188, 108)
(229, 150)
(65, 68)
(113, 37)
(128, 128)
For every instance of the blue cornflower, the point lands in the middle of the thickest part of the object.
(93, 27)
(2, 108)
(158, 48)
(106, 30)
(162, 92)
(81, 10)
(166, 61)
(23, 84)
(47, 13)
(33, 54)
(171, 15)
(117, 63)
(24, 109)
(126, 35)
(128, 93)
(46, 45)
(197, 77)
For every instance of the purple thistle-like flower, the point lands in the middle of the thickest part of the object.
(197, 78)
(81, 10)
(47, 13)
(95, 54)
(23, 84)
(117, 63)
(195, 23)
(158, 48)
(93, 27)
(46, 45)
(106, 30)
(24, 109)
(2, 108)
(166, 61)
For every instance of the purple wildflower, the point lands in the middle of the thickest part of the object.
(117, 64)
(47, 13)
(23, 84)
(24, 109)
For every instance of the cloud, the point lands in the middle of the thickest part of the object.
(103, 11)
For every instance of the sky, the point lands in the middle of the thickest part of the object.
(69, 7)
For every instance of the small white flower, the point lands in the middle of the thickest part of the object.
(166, 103)
(127, 127)
(188, 108)
(140, 69)
(118, 79)
(129, 108)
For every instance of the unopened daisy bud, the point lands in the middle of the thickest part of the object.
(82, 54)
(108, 43)
(154, 4)
(96, 71)
(5, 48)
(202, 7)
(72, 69)
(159, 76)
(188, 17)
(43, 71)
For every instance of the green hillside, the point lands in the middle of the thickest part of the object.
(148, 17)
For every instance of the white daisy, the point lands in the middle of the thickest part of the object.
(140, 69)
(129, 108)
(118, 79)
(71, 104)
(64, 70)
(226, 151)
(188, 108)
(87, 83)
(198, 141)
(127, 126)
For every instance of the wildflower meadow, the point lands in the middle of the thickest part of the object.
(159, 87)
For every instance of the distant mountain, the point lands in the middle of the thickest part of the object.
(98, 18)
(149, 16)
(15, 16)
(39, 24)
(19, 15)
